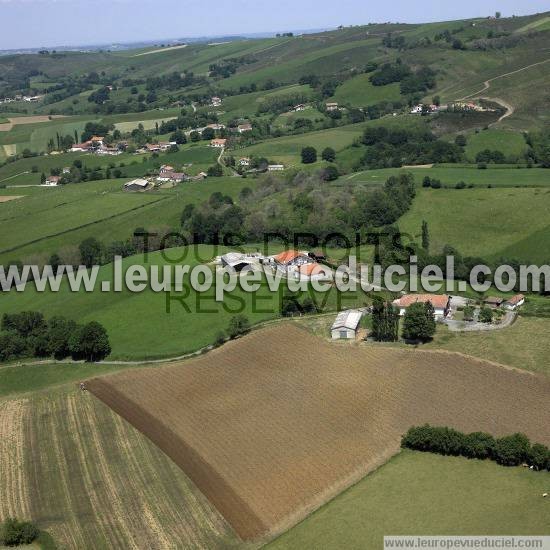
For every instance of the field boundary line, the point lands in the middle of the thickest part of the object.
(184, 455)
(67, 231)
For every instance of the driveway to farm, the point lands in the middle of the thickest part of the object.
(463, 326)
(487, 84)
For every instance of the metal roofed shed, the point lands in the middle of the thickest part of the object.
(346, 324)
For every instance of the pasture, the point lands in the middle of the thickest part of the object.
(269, 437)
(359, 92)
(509, 143)
(97, 209)
(502, 223)
(435, 495)
(78, 470)
(524, 345)
(450, 175)
(187, 320)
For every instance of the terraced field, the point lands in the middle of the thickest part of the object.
(89, 478)
(269, 436)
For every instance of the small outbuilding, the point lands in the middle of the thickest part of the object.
(136, 185)
(346, 324)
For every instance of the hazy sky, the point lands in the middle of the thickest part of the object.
(33, 23)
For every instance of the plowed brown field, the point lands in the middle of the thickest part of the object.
(271, 426)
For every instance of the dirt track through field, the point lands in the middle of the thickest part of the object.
(273, 425)
(509, 108)
(16, 121)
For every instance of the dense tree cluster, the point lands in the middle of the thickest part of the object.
(29, 334)
(511, 450)
(14, 532)
(388, 147)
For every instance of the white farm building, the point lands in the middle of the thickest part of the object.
(346, 324)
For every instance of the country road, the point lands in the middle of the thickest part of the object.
(487, 84)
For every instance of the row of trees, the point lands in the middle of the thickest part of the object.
(511, 450)
(28, 334)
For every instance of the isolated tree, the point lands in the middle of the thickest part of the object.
(238, 325)
(486, 315)
(436, 100)
(42, 178)
(328, 154)
(419, 322)
(90, 342)
(330, 173)
(309, 155)
(498, 15)
(425, 236)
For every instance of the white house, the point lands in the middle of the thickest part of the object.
(440, 302)
(52, 181)
(218, 142)
(241, 128)
(332, 106)
(216, 101)
(245, 161)
(346, 324)
(514, 302)
(300, 107)
(275, 167)
(81, 147)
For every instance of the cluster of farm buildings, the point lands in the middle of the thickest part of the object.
(302, 265)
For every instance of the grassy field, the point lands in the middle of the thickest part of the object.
(359, 92)
(287, 149)
(187, 320)
(524, 345)
(425, 494)
(506, 223)
(94, 209)
(59, 211)
(78, 470)
(509, 143)
(450, 175)
(351, 419)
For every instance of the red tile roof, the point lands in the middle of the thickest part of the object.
(287, 256)
(514, 300)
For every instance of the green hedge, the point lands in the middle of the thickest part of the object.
(510, 450)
